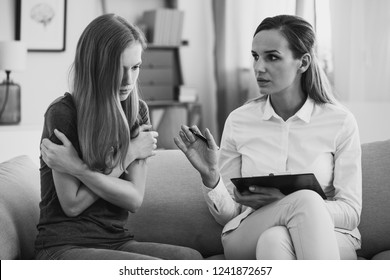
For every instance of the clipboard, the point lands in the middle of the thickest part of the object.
(285, 183)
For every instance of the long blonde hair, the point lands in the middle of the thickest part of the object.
(103, 121)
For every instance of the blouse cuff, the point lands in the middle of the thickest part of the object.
(217, 196)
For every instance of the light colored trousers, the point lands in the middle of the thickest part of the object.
(298, 226)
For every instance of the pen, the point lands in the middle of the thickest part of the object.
(201, 137)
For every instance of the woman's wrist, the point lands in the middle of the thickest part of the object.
(211, 181)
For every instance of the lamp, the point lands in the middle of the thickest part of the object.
(12, 58)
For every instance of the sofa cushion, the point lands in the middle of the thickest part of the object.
(19, 199)
(375, 218)
(385, 255)
(174, 210)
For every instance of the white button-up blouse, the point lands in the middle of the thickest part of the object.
(320, 139)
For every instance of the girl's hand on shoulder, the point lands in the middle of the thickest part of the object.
(203, 156)
(145, 144)
(62, 158)
(258, 197)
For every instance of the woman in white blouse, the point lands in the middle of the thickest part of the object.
(295, 126)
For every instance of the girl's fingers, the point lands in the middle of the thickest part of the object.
(43, 148)
(145, 127)
(46, 143)
(61, 137)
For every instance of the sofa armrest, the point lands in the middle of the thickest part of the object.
(375, 219)
(19, 208)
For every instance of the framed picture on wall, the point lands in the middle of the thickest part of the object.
(41, 24)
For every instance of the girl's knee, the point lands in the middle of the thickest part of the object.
(186, 253)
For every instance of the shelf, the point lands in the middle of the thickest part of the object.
(20, 127)
(166, 118)
(169, 103)
(160, 77)
(153, 46)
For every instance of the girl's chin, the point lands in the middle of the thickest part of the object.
(124, 96)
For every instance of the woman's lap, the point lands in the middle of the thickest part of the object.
(243, 241)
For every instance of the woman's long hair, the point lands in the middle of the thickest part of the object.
(103, 121)
(302, 39)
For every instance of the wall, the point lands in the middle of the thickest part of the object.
(44, 79)
(198, 57)
(372, 119)
(361, 52)
(46, 76)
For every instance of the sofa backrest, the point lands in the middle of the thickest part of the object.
(174, 210)
(174, 203)
(19, 209)
(375, 219)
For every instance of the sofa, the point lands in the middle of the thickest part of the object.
(174, 210)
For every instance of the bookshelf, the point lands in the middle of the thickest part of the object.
(163, 26)
(160, 76)
(160, 79)
(160, 83)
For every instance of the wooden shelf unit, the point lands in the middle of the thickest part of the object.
(160, 76)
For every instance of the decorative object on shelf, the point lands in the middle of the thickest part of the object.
(41, 24)
(12, 58)
(187, 94)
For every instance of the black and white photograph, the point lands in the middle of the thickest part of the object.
(195, 139)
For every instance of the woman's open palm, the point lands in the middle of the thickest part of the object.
(203, 156)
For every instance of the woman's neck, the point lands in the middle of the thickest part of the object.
(286, 105)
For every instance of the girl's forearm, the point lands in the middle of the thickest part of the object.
(131, 156)
(118, 170)
(126, 193)
(72, 194)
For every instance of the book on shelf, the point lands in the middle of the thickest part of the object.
(179, 25)
(164, 26)
(152, 21)
(187, 94)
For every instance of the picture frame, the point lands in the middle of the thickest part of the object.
(41, 24)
